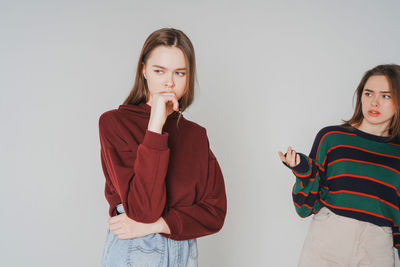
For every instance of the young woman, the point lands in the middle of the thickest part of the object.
(351, 180)
(163, 183)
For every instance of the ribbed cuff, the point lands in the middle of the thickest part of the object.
(155, 140)
(303, 166)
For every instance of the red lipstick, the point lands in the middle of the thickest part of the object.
(373, 113)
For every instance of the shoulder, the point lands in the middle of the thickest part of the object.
(116, 123)
(334, 129)
(109, 119)
(395, 144)
(331, 135)
(192, 127)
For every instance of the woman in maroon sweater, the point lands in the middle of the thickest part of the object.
(163, 183)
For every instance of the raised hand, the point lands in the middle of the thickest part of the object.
(162, 105)
(292, 159)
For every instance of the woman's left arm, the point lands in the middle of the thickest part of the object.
(204, 217)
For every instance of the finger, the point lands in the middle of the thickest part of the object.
(294, 153)
(282, 156)
(292, 158)
(115, 226)
(124, 236)
(169, 98)
(297, 159)
(289, 154)
(176, 103)
(119, 232)
(114, 219)
(166, 93)
(163, 95)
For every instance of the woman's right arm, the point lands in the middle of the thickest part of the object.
(136, 171)
(309, 171)
(110, 193)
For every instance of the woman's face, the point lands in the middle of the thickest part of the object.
(165, 71)
(377, 104)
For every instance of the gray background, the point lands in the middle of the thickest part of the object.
(271, 74)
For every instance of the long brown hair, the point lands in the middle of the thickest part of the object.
(164, 37)
(392, 73)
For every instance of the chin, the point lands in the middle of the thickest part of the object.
(378, 122)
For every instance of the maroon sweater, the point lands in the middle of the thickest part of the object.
(173, 175)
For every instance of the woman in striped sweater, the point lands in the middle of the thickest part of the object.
(351, 180)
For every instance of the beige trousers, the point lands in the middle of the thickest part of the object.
(334, 240)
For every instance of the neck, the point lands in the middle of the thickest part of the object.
(375, 129)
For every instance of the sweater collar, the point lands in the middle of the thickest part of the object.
(144, 110)
(372, 137)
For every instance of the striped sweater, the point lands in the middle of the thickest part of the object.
(354, 174)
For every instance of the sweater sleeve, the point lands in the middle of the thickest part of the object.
(110, 193)
(137, 173)
(309, 176)
(204, 217)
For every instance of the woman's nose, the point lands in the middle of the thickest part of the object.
(169, 82)
(375, 101)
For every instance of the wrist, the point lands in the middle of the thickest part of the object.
(162, 226)
(154, 127)
(303, 166)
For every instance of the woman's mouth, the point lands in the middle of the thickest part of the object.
(373, 113)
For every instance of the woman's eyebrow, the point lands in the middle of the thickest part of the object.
(158, 66)
(164, 68)
(384, 92)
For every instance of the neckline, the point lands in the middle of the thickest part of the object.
(377, 138)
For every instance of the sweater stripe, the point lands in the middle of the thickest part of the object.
(357, 210)
(366, 162)
(346, 175)
(332, 132)
(357, 154)
(365, 195)
(385, 156)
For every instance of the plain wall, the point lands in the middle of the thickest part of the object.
(271, 74)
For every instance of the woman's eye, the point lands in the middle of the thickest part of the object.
(386, 96)
(368, 94)
(158, 71)
(180, 73)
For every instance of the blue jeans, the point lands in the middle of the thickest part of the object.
(148, 251)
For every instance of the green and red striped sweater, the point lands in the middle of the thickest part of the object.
(354, 174)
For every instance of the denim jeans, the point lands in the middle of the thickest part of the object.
(148, 251)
